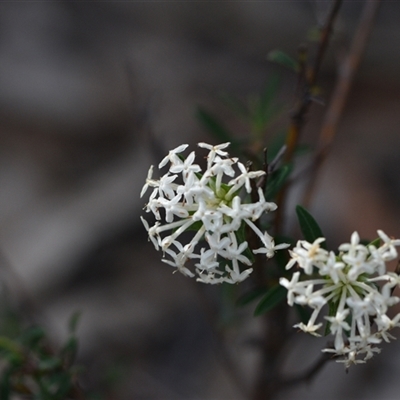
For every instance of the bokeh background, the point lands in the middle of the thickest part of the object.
(91, 94)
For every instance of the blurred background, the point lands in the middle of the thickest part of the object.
(91, 94)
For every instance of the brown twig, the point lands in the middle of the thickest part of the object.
(307, 80)
(275, 322)
(340, 94)
(324, 41)
(308, 375)
(309, 77)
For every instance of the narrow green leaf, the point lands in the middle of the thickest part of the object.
(282, 256)
(264, 108)
(376, 242)
(270, 92)
(283, 59)
(215, 127)
(303, 313)
(309, 227)
(333, 307)
(250, 296)
(11, 350)
(272, 298)
(211, 123)
(195, 227)
(241, 238)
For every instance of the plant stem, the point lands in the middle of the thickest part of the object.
(340, 94)
(307, 80)
(275, 322)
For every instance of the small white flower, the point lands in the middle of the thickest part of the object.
(332, 268)
(214, 151)
(308, 255)
(235, 275)
(269, 248)
(186, 167)
(388, 249)
(207, 204)
(291, 287)
(309, 328)
(208, 260)
(245, 177)
(149, 182)
(172, 156)
(357, 288)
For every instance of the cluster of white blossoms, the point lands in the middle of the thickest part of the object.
(356, 288)
(206, 204)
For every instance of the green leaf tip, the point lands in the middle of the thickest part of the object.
(282, 58)
(272, 298)
(309, 227)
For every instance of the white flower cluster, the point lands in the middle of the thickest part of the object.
(201, 202)
(357, 289)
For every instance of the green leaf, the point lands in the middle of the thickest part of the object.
(250, 296)
(309, 227)
(69, 350)
(376, 242)
(215, 127)
(333, 307)
(195, 227)
(283, 59)
(241, 238)
(272, 298)
(32, 336)
(64, 386)
(269, 94)
(44, 390)
(303, 313)
(282, 256)
(277, 180)
(11, 350)
(49, 364)
(265, 108)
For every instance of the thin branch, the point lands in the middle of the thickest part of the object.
(303, 105)
(307, 79)
(340, 94)
(324, 41)
(276, 383)
(308, 375)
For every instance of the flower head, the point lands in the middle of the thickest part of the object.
(357, 289)
(206, 204)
